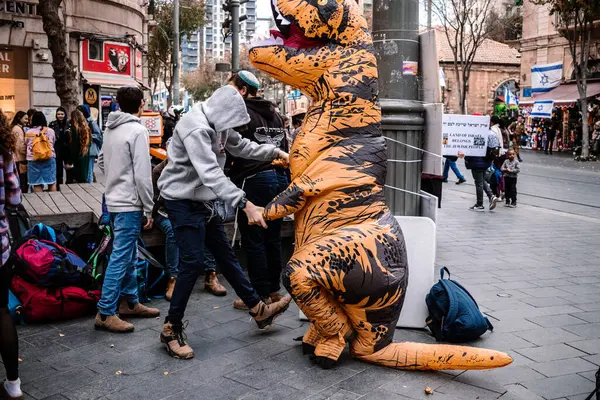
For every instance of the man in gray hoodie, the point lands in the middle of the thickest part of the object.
(125, 160)
(190, 184)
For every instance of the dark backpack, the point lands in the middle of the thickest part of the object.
(453, 313)
(85, 240)
(98, 261)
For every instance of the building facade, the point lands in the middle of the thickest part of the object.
(496, 66)
(542, 44)
(207, 45)
(104, 62)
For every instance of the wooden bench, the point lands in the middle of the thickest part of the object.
(78, 204)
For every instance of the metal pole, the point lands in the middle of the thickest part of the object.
(235, 35)
(396, 39)
(175, 85)
(429, 5)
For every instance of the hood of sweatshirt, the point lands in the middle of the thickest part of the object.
(225, 109)
(118, 118)
(263, 107)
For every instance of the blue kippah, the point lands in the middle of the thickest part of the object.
(249, 78)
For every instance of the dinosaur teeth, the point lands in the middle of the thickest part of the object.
(264, 42)
(279, 18)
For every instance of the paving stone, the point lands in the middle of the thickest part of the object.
(564, 367)
(513, 325)
(593, 359)
(560, 386)
(591, 346)
(382, 394)
(589, 316)
(263, 374)
(219, 389)
(412, 383)
(315, 380)
(467, 392)
(529, 311)
(60, 383)
(550, 352)
(545, 336)
(519, 392)
(545, 292)
(335, 393)
(491, 379)
(278, 392)
(547, 301)
(588, 331)
(589, 375)
(369, 379)
(550, 321)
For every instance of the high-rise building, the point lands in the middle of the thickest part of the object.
(207, 45)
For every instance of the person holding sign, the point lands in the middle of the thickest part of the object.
(478, 165)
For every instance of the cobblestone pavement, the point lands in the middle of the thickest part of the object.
(534, 270)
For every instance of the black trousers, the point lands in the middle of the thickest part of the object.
(510, 186)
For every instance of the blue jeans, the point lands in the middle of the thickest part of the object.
(91, 170)
(193, 225)
(120, 279)
(451, 164)
(172, 251)
(263, 246)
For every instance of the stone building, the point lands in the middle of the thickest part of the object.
(106, 42)
(496, 65)
(542, 44)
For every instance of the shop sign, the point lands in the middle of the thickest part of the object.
(14, 64)
(152, 122)
(24, 8)
(111, 58)
(91, 98)
(139, 68)
(465, 133)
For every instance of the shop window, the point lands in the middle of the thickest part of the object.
(95, 50)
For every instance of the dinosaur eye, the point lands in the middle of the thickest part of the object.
(322, 2)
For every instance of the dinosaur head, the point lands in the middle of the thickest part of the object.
(313, 37)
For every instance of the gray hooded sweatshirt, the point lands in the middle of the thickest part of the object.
(125, 160)
(197, 150)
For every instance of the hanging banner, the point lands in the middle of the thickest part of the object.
(106, 57)
(542, 109)
(465, 133)
(544, 78)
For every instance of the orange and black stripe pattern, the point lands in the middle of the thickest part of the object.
(349, 271)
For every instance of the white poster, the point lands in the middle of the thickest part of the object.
(152, 122)
(465, 133)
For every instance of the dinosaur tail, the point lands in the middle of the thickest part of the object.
(418, 356)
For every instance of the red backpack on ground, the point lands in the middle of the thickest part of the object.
(50, 304)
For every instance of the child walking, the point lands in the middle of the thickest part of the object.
(510, 169)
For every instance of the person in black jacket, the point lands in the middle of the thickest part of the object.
(62, 131)
(170, 119)
(262, 182)
(478, 166)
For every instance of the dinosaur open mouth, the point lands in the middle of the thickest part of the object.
(287, 34)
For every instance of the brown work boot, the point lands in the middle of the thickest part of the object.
(112, 323)
(239, 304)
(170, 288)
(138, 310)
(174, 339)
(212, 285)
(265, 314)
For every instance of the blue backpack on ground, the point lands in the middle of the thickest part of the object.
(453, 313)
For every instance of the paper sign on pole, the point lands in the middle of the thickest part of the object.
(465, 133)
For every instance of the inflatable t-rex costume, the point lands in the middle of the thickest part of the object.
(349, 271)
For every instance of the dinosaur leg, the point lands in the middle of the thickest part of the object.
(325, 338)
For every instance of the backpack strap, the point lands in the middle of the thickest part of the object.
(442, 272)
(452, 305)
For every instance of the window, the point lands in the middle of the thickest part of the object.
(95, 50)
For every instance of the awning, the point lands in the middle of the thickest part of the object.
(110, 80)
(565, 95)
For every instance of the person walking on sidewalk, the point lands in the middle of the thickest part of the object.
(161, 219)
(478, 166)
(511, 169)
(517, 130)
(191, 183)
(10, 196)
(262, 182)
(450, 162)
(125, 161)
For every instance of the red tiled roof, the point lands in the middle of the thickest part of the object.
(490, 51)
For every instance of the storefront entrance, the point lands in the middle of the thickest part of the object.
(14, 80)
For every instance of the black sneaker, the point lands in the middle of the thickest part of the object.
(445, 180)
(477, 208)
(461, 181)
(493, 202)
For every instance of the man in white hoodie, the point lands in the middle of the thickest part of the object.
(125, 161)
(190, 184)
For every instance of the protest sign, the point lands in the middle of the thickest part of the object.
(465, 133)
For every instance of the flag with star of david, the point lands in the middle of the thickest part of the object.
(544, 78)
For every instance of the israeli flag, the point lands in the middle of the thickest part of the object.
(442, 78)
(542, 109)
(544, 78)
(510, 98)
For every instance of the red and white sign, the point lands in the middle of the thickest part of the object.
(139, 68)
(107, 58)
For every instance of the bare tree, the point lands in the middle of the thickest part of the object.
(577, 19)
(65, 75)
(464, 22)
